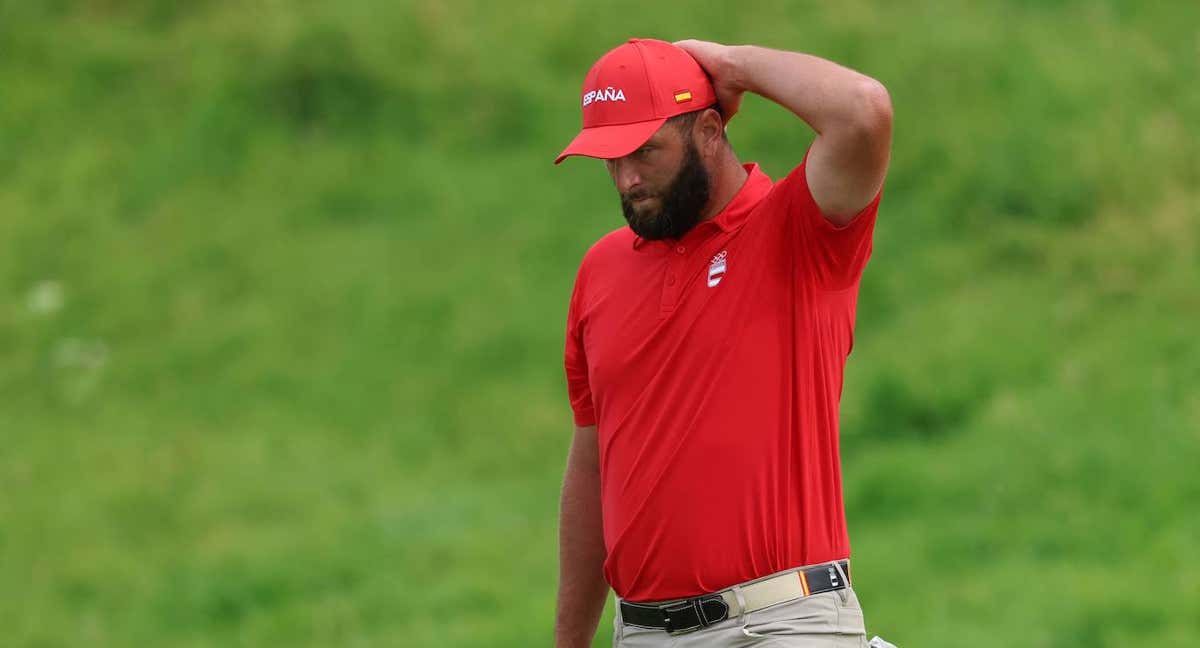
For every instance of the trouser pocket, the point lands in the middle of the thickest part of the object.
(850, 615)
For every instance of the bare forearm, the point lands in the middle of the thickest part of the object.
(851, 112)
(582, 588)
(822, 93)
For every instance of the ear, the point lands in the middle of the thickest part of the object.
(709, 130)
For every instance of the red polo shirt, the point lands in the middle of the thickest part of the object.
(712, 367)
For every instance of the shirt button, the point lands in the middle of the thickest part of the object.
(681, 249)
(670, 280)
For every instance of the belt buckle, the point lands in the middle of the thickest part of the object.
(697, 605)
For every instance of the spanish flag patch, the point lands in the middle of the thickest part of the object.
(683, 96)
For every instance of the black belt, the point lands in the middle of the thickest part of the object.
(708, 609)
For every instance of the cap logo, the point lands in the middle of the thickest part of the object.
(682, 96)
(607, 94)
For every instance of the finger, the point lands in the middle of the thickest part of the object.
(686, 45)
(697, 48)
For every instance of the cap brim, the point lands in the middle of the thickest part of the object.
(609, 142)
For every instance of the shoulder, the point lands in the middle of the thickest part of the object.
(793, 187)
(613, 248)
(600, 266)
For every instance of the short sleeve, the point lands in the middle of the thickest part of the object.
(836, 255)
(575, 359)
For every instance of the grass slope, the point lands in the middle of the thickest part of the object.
(283, 288)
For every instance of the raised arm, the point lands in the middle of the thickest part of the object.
(851, 113)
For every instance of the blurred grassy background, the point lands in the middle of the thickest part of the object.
(284, 283)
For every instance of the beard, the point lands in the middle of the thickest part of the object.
(679, 205)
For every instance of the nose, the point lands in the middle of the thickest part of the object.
(624, 174)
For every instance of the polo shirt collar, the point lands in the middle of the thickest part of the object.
(753, 190)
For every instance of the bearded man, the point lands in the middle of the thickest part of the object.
(705, 349)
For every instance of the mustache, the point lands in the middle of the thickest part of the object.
(636, 195)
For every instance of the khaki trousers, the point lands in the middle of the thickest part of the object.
(826, 620)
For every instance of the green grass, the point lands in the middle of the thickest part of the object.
(283, 289)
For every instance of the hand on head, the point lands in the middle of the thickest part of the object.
(714, 58)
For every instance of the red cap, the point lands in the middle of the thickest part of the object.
(631, 92)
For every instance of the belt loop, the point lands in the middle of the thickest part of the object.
(737, 593)
(620, 630)
(845, 591)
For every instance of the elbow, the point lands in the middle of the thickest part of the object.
(873, 114)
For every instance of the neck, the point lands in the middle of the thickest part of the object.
(727, 177)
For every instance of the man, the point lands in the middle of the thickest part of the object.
(704, 353)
